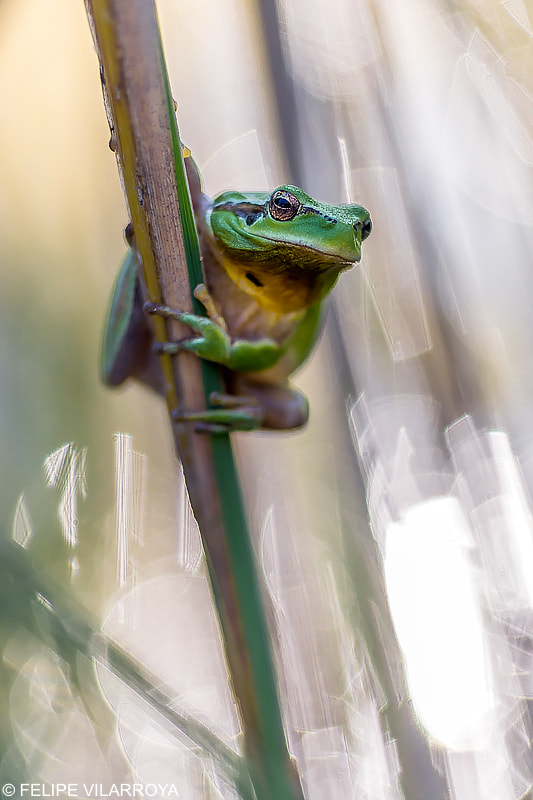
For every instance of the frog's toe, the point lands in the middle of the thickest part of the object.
(222, 420)
(168, 348)
(223, 400)
(163, 311)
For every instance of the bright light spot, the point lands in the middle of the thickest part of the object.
(44, 602)
(22, 528)
(435, 608)
(65, 469)
(129, 500)
(122, 498)
(518, 534)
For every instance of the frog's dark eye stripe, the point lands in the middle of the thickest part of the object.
(250, 212)
(311, 210)
(253, 217)
(283, 206)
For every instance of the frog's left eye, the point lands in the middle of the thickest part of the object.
(283, 205)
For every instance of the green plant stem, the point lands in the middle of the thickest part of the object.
(146, 139)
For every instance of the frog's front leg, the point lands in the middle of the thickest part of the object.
(214, 343)
(231, 412)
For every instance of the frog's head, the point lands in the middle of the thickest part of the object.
(285, 248)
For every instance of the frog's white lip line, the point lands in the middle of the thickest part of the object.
(301, 246)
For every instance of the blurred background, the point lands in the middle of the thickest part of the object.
(395, 532)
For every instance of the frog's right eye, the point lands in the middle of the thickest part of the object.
(283, 205)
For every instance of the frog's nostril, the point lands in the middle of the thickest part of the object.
(367, 227)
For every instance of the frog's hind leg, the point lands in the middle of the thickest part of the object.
(250, 405)
(127, 349)
(284, 408)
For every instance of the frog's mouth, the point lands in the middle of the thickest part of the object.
(293, 259)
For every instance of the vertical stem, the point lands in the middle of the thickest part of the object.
(144, 131)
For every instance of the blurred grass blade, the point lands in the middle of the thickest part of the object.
(51, 614)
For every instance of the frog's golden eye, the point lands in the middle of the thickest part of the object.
(283, 205)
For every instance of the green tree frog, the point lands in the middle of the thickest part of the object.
(269, 261)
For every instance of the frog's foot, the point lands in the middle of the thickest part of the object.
(211, 343)
(233, 414)
(214, 344)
